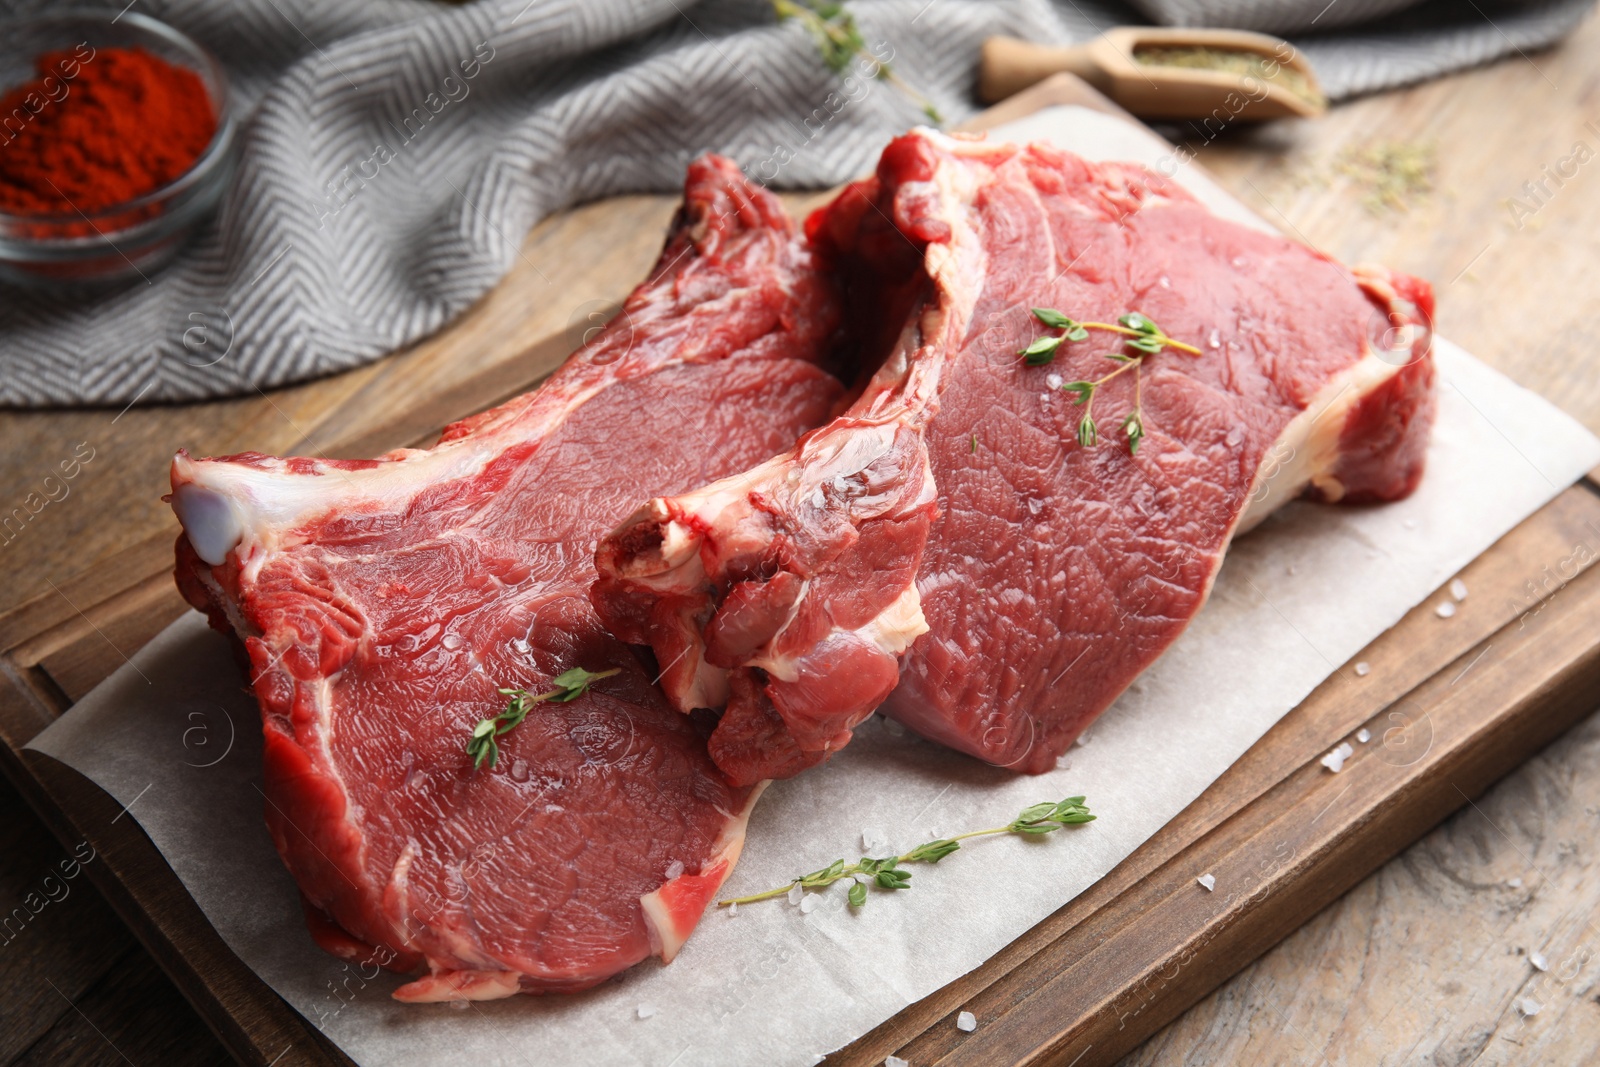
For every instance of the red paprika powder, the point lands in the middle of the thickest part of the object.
(96, 129)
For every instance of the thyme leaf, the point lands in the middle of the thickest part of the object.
(1053, 318)
(1041, 351)
(887, 873)
(483, 743)
(1085, 390)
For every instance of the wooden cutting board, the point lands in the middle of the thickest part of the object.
(1450, 709)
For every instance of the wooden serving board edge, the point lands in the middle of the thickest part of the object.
(1286, 837)
(1085, 985)
(250, 1020)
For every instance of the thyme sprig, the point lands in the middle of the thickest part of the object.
(887, 872)
(483, 744)
(839, 41)
(1144, 338)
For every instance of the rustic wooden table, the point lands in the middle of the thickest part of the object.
(1434, 958)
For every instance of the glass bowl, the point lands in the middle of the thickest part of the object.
(131, 240)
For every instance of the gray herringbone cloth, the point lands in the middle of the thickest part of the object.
(396, 152)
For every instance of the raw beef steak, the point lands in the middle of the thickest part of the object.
(953, 506)
(384, 602)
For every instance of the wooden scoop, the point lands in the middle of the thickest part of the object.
(1167, 73)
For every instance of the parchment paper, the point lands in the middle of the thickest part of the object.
(174, 735)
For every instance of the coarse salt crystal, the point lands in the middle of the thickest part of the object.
(1515, 883)
(895, 1061)
(1063, 763)
(795, 893)
(1538, 961)
(733, 909)
(1083, 738)
(966, 1022)
(1445, 609)
(1363, 668)
(1458, 589)
(808, 903)
(1334, 760)
(1214, 339)
(674, 869)
(1208, 881)
(1053, 380)
(1363, 735)
(1529, 1007)
(646, 1010)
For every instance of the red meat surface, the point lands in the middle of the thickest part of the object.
(384, 602)
(946, 544)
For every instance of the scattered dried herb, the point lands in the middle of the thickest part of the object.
(1391, 174)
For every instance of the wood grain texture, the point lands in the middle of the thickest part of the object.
(1489, 132)
(240, 1010)
(61, 941)
(70, 557)
(1425, 960)
(111, 1023)
(1282, 835)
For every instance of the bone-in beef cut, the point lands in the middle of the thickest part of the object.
(384, 602)
(947, 538)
